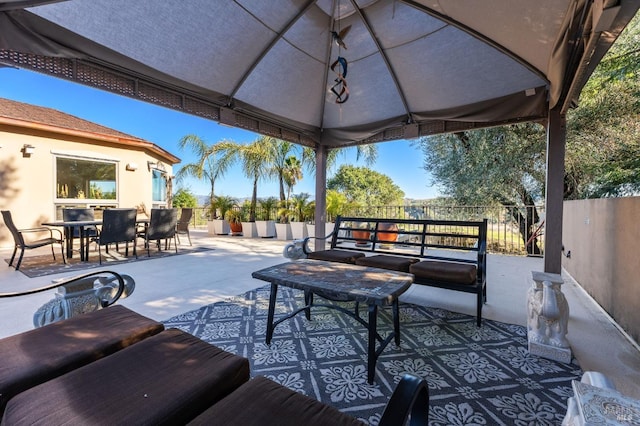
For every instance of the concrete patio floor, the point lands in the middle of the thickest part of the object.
(173, 285)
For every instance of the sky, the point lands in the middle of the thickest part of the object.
(399, 160)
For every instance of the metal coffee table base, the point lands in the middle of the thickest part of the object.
(371, 325)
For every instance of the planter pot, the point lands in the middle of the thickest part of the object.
(387, 237)
(298, 230)
(236, 228)
(328, 228)
(362, 237)
(266, 228)
(210, 228)
(283, 231)
(221, 227)
(249, 230)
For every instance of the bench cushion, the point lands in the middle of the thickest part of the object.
(263, 402)
(459, 273)
(342, 256)
(168, 378)
(38, 355)
(395, 263)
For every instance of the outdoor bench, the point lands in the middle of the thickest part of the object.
(449, 254)
(114, 366)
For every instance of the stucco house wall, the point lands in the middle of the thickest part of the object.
(603, 238)
(28, 183)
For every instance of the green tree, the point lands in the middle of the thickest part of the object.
(184, 198)
(213, 161)
(256, 165)
(603, 133)
(501, 165)
(365, 186)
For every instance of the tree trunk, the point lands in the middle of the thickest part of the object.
(254, 201)
(526, 224)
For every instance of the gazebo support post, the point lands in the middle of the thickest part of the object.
(556, 141)
(321, 194)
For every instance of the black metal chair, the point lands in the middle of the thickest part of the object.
(118, 226)
(80, 214)
(23, 245)
(182, 227)
(162, 226)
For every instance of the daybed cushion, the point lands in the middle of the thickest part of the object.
(168, 378)
(342, 256)
(38, 355)
(395, 263)
(459, 273)
(263, 402)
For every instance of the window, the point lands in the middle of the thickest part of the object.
(159, 187)
(85, 179)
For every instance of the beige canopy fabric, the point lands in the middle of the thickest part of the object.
(413, 67)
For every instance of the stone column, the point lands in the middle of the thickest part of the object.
(548, 315)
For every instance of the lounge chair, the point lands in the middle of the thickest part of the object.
(22, 244)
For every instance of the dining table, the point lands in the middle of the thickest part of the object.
(83, 226)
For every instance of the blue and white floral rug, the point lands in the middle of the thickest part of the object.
(476, 376)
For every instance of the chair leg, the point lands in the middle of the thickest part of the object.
(64, 260)
(189, 237)
(20, 259)
(178, 237)
(53, 253)
(100, 253)
(13, 256)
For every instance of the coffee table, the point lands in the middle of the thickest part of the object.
(340, 282)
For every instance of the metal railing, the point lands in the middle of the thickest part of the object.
(510, 228)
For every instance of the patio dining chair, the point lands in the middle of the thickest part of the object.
(79, 214)
(118, 226)
(162, 226)
(183, 224)
(22, 244)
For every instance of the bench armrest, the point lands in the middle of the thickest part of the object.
(411, 396)
(109, 297)
(305, 242)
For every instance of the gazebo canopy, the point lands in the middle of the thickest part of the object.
(414, 68)
(411, 67)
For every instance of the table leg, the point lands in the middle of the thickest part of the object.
(308, 301)
(272, 308)
(371, 352)
(81, 234)
(68, 236)
(396, 321)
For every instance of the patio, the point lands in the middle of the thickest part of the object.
(174, 285)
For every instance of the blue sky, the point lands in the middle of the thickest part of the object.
(165, 127)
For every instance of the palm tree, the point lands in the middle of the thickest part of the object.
(281, 153)
(368, 152)
(256, 161)
(213, 161)
(292, 173)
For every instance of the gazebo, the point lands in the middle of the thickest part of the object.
(333, 73)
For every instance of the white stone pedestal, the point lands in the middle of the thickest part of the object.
(548, 315)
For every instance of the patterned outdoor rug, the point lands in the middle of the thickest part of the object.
(476, 376)
(37, 266)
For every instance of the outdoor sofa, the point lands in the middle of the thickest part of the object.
(115, 366)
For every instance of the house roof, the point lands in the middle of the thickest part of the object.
(37, 117)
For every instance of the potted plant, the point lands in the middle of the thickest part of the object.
(266, 227)
(249, 229)
(283, 227)
(385, 237)
(234, 217)
(223, 203)
(301, 210)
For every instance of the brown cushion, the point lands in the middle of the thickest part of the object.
(168, 378)
(38, 355)
(342, 256)
(395, 263)
(263, 402)
(460, 273)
